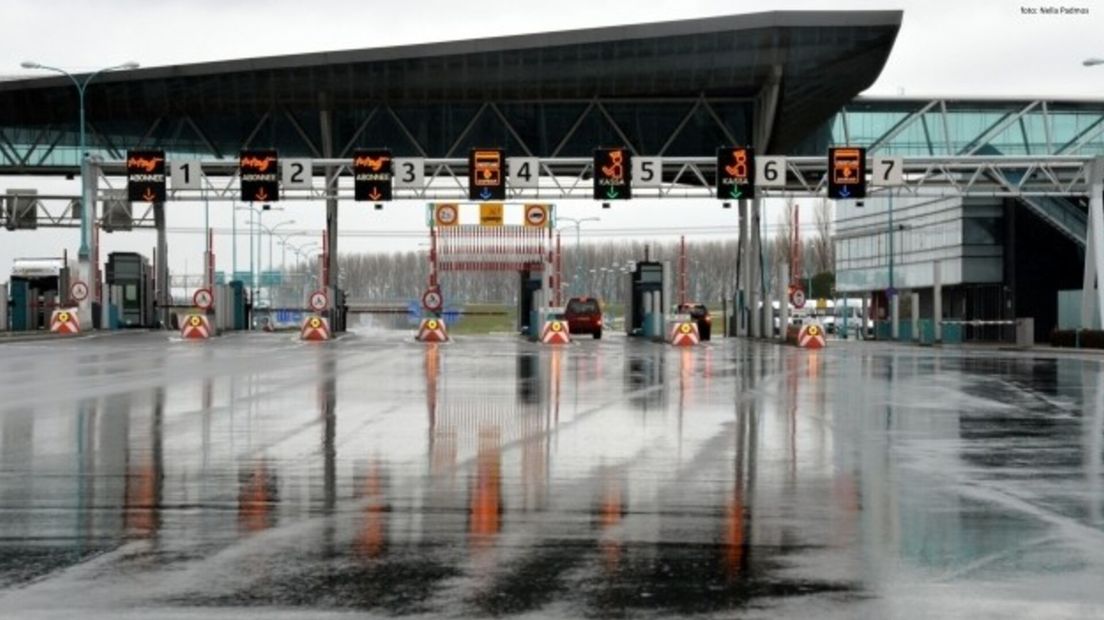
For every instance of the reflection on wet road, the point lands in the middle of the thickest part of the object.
(493, 477)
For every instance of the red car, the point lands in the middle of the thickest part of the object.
(584, 316)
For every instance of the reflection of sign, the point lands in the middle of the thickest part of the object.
(846, 173)
(735, 165)
(145, 176)
(78, 291)
(319, 300)
(536, 216)
(485, 178)
(490, 214)
(612, 174)
(372, 175)
(431, 300)
(203, 299)
(446, 215)
(260, 179)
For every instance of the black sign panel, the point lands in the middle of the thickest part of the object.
(735, 172)
(260, 176)
(486, 178)
(846, 172)
(372, 175)
(612, 174)
(145, 176)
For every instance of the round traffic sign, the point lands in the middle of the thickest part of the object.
(446, 215)
(203, 299)
(813, 330)
(78, 291)
(536, 215)
(797, 298)
(315, 322)
(431, 324)
(431, 300)
(63, 317)
(195, 321)
(319, 300)
(685, 328)
(556, 326)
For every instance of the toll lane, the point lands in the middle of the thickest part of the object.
(259, 475)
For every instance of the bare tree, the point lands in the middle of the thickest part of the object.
(823, 255)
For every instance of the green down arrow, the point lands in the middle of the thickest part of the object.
(611, 193)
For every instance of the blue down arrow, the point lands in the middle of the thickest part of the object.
(485, 194)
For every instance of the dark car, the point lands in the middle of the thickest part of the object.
(584, 316)
(700, 314)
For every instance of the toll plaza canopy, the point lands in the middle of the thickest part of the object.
(671, 88)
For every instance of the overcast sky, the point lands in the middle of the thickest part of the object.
(944, 47)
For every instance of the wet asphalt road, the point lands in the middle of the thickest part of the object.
(257, 476)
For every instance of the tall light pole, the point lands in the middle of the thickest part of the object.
(577, 223)
(86, 203)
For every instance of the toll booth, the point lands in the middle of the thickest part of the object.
(339, 311)
(38, 287)
(130, 290)
(240, 316)
(529, 283)
(647, 296)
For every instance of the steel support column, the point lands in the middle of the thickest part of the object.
(331, 195)
(162, 295)
(745, 272)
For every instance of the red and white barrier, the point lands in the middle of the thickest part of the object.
(65, 321)
(811, 336)
(315, 329)
(684, 334)
(432, 330)
(555, 332)
(195, 327)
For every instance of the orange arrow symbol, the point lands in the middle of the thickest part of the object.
(375, 194)
(148, 196)
(262, 194)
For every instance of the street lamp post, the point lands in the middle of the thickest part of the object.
(82, 86)
(577, 223)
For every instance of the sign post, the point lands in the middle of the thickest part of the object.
(486, 180)
(319, 301)
(78, 291)
(735, 165)
(372, 175)
(260, 178)
(612, 174)
(145, 176)
(846, 173)
(203, 299)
